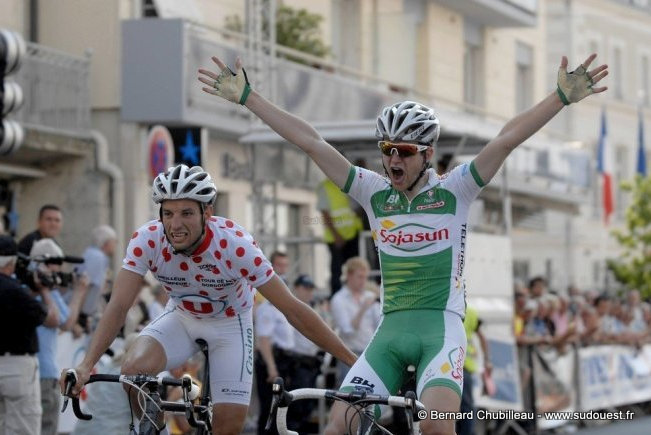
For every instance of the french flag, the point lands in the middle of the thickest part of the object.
(605, 168)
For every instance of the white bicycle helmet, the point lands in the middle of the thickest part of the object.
(408, 121)
(181, 182)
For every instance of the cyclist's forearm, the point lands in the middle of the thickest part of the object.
(524, 125)
(290, 127)
(315, 329)
(109, 325)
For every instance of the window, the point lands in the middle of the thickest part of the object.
(149, 9)
(617, 70)
(524, 77)
(346, 32)
(473, 64)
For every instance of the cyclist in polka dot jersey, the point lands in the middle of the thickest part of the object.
(210, 267)
(217, 280)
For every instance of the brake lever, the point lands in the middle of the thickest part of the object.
(71, 380)
(277, 389)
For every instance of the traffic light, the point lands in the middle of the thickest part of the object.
(12, 53)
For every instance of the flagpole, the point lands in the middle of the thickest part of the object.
(641, 151)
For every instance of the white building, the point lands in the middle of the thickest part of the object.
(478, 63)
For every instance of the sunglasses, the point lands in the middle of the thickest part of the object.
(402, 149)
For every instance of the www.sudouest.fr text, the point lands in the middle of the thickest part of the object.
(483, 414)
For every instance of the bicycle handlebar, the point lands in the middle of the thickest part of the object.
(282, 399)
(185, 382)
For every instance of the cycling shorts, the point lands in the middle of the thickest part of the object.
(433, 341)
(230, 344)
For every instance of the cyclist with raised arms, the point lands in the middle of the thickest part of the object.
(419, 222)
(209, 265)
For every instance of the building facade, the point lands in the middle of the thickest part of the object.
(478, 63)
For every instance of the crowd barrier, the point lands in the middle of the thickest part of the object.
(537, 380)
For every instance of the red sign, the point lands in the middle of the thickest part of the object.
(160, 150)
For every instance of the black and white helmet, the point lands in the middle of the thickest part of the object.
(181, 182)
(408, 121)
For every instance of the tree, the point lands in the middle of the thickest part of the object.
(633, 268)
(299, 29)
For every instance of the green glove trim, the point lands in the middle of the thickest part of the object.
(562, 96)
(245, 93)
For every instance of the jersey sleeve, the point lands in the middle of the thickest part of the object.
(362, 184)
(464, 180)
(140, 252)
(246, 258)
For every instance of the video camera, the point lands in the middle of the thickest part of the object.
(50, 279)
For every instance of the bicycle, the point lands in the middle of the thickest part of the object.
(199, 416)
(361, 400)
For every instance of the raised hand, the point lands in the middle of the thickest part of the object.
(578, 84)
(232, 86)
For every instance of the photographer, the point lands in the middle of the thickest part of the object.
(20, 314)
(49, 224)
(46, 263)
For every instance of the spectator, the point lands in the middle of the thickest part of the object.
(307, 362)
(274, 341)
(535, 330)
(20, 314)
(603, 306)
(280, 263)
(537, 287)
(49, 224)
(576, 299)
(96, 264)
(538, 325)
(472, 324)
(157, 306)
(519, 315)
(59, 317)
(342, 228)
(356, 312)
(589, 332)
(633, 299)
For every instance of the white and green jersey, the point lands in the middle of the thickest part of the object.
(421, 242)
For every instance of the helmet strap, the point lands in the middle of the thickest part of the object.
(426, 166)
(193, 247)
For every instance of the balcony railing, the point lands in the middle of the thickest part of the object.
(57, 89)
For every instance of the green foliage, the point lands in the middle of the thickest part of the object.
(299, 29)
(633, 268)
